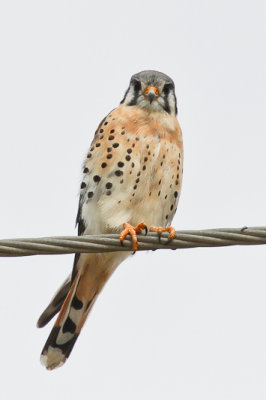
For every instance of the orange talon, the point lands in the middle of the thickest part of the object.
(160, 230)
(130, 230)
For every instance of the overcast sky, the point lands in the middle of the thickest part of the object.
(188, 324)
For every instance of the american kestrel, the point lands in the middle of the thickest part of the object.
(132, 179)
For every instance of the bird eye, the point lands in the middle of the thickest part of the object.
(137, 86)
(167, 88)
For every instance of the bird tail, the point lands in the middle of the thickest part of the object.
(55, 304)
(72, 316)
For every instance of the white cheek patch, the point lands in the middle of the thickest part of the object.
(130, 95)
(172, 102)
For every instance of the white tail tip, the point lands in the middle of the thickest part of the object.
(53, 358)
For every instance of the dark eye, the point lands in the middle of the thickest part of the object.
(137, 86)
(167, 88)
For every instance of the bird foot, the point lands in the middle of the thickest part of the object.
(132, 231)
(160, 230)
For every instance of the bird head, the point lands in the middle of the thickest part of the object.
(153, 91)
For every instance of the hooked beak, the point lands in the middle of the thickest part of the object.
(151, 92)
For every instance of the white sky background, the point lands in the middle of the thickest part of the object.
(189, 324)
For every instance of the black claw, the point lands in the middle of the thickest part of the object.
(244, 228)
(133, 253)
(146, 230)
(121, 242)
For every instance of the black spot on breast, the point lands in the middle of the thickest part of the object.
(101, 130)
(89, 155)
(109, 156)
(137, 139)
(98, 144)
(172, 206)
(145, 159)
(96, 178)
(112, 131)
(161, 163)
(83, 185)
(159, 181)
(129, 151)
(111, 137)
(118, 173)
(115, 145)
(133, 144)
(135, 187)
(165, 196)
(132, 165)
(128, 158)
(138, 174)
(144, 167)
(86, 170)
(120, 164)
(109, 149)
(76, 303)
(105, 123)
(122, 180)
(176, 194)
(69, 326)
(90, 194)
(108, 185)
(92, 148)
(159, 193)
(123, 132)
(104, 165)
(166, 217)
(108, 193)
(150, 194)
(147, 147)
(137, 180)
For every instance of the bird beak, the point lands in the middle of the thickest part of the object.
(151, 92)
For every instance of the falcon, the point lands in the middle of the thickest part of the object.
(132, 178)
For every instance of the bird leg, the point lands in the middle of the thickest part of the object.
(131, 230)
(160, 230)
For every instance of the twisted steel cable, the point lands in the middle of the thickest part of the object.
(103, 243)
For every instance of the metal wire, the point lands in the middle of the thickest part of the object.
(107, 243)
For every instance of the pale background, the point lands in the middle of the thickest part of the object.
(189, 324)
